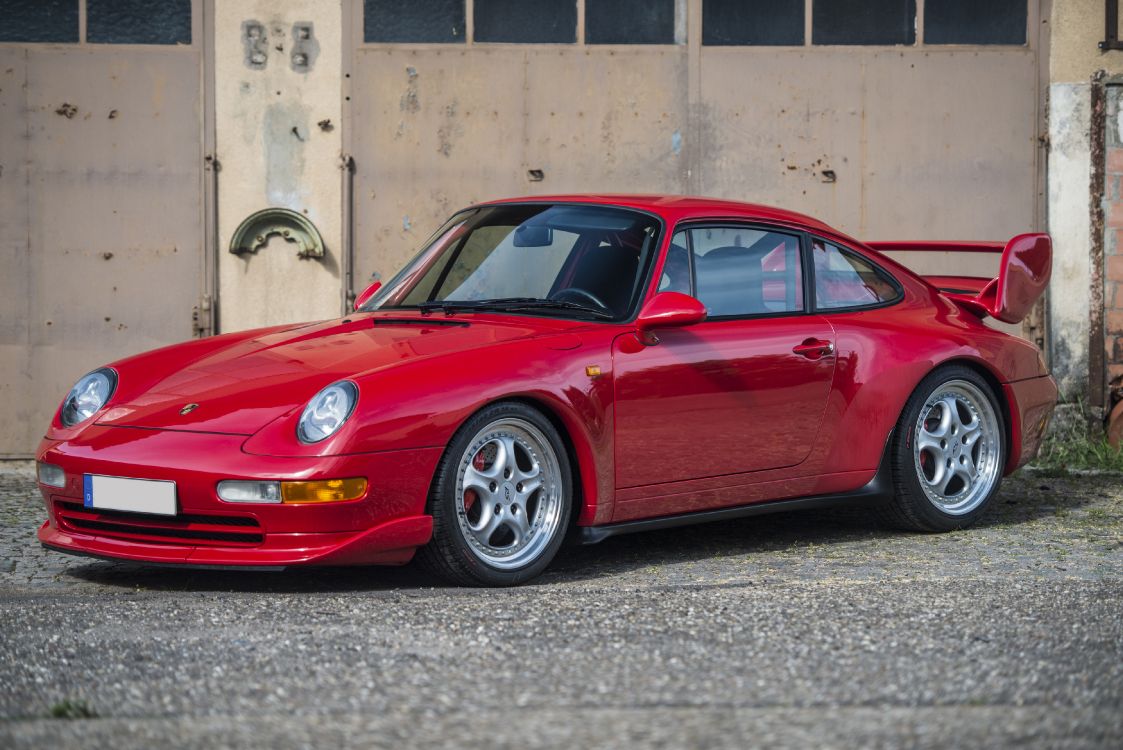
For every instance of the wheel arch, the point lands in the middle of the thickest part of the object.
(584, 505)
(578, 448)
(984, 370)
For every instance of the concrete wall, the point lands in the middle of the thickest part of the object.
(274, 152)
(1077, 26)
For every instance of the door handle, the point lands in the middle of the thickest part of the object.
(814, 348)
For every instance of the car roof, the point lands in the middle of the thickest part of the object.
(678, 207)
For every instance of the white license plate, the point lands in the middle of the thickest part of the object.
(136, 495)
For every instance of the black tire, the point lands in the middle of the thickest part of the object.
(911, 507)
(450, 554)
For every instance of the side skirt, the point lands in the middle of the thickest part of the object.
(877, 490)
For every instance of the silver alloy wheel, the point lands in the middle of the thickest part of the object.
(508, 493)
(957, 447)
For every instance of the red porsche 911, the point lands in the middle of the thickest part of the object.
(573, 366)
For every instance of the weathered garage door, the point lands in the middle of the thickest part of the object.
(888, 119)
(101, 216)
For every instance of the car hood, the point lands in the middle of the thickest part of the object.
(241, 388)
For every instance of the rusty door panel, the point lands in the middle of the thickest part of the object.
(437, 129)
(433, 130)
(601, 120)
(883, 143)
(958, 143)
(113, 239)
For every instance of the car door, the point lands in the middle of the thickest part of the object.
(743, 391)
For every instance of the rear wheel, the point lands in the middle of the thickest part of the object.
(501, 499)
(948, 453)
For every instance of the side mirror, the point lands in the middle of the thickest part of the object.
(367, 293)
(667, 310)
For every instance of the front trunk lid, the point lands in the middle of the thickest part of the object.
(240, 389)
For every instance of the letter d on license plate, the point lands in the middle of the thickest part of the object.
(134, 495)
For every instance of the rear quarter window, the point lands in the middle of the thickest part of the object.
(845, 280)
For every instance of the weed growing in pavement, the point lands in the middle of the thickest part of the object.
(72, 709)
(1073, 448)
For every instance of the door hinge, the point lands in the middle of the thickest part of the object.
(201, 318)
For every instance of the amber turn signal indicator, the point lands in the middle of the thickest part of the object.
(323, 491)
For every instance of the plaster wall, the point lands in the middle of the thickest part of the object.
(1070, 165)
(274, 152)
(1077, 27)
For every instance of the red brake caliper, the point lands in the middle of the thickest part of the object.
(470, 496)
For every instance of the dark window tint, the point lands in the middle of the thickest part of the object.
(528, 21)
(743, 271)
(745, 22)
(864, 21)
(138, 21)
(975, 22)
(39, 21)
(630, 21)
(413, 21)
(843, 279)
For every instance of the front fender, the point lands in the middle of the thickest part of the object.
(422, 404)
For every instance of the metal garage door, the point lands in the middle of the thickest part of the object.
(887, 118)
(101, 216)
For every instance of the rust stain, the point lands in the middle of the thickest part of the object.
(1097, 366)
(410, 103)
(449, 130)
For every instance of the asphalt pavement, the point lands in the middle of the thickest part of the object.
(816, 629)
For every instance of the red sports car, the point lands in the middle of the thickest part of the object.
(575, 366)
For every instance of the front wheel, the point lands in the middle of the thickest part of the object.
(948, 452)
(501, 499)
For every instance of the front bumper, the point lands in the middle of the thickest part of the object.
(383, 527)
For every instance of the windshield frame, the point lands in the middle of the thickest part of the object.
(640, 290)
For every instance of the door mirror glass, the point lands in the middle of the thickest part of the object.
(667, 310)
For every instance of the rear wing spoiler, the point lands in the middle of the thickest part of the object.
(1023, 274)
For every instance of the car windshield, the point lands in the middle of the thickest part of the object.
(568, 260)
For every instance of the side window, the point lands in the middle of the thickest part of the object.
(676, 269)
(843, 279)
(746, 271)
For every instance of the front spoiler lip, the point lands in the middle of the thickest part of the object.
(392, 542)
(183, 565)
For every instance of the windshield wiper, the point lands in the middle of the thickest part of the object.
(513, 304)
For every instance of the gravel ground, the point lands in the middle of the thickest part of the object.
(806, 630)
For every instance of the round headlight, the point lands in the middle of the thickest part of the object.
(327, 411)
(87, 396)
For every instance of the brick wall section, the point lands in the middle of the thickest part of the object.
(1113, 264)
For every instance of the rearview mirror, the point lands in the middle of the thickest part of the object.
(667, 310)
(529, 235)
(367, 293)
